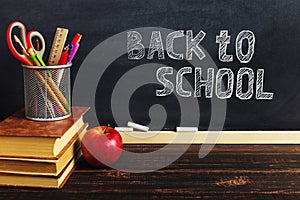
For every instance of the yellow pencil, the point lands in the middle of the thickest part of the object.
(32, 57)
(52, 89)
(39, 62)
(35, 59)
(50, 92)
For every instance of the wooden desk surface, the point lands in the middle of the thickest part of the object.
(228, 172)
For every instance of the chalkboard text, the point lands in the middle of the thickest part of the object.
(249, 83)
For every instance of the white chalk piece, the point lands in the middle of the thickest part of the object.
(124, 129)
(186, 129)
(138, 126)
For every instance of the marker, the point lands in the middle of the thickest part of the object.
(138, 126)
(73, 47)
(64, 56)
(62, 61)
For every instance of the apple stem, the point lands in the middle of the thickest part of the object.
(108, 125)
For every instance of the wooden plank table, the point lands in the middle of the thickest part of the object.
(228, 172)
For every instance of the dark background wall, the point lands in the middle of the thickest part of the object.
(275, 23)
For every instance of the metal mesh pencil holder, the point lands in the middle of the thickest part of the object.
(47, 92)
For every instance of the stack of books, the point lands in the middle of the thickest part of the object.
(40, 154)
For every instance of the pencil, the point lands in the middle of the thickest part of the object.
(50, 91)
(32, 57)
(23, 50)
(58, 93)
(38, 45)
(52, 85)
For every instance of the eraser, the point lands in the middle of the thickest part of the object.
(124, 129)
(138, 126)
(186, 129)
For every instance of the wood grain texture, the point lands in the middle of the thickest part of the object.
(228, 172)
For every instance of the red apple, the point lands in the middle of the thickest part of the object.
(101, 146)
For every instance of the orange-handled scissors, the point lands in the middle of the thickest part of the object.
(26, 39)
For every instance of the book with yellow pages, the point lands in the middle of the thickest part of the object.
(20, 137)
(51, 167)
(26, 180)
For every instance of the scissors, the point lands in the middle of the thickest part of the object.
(26, 39)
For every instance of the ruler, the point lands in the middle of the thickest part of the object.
(57, 45)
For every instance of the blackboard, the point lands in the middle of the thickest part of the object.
(275, 24)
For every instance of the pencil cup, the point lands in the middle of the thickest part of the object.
(47, 92)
